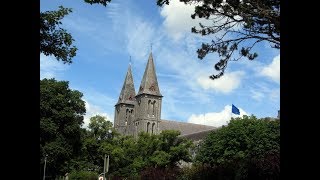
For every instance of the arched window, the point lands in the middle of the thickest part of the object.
(153, 126)
(148, 124)
(154, 108)
(127, 111)
(149, 104)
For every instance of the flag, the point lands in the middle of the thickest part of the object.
(235, 110)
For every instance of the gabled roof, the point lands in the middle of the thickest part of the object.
(149, 82)
(183, 127)
(128, 93)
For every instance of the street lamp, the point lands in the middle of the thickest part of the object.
(44, 168)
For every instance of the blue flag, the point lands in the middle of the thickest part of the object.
(235, 110)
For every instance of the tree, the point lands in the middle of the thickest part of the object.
(55, 40)
(100, 127)
(131, 157)
(237, 25)
(100, 133)
(61, 117)
(103, 2)
(248, 147)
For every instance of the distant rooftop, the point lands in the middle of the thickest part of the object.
(184, 127)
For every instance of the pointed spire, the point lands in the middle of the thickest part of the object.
(128, 93)
(149, 83)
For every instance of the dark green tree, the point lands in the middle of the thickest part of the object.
(100, 133)
(61, 117)
(248, 147)
(130, 156)
(103, 2)
(55, 40)
(99, 127)
(237, 26)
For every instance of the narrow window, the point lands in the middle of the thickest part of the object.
(148, 124)
(154, 108)
(153, 128)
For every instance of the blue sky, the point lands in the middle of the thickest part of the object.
(107, 36)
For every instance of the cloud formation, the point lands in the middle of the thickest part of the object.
(272, 71)
(50, 67)
(215, 119)
(177, 18)
(225, 84)
(93, 110)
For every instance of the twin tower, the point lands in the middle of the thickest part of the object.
(139, 112)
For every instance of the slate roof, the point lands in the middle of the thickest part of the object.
(128, 93)
(149, 82)
(185, 128)
(197, 135)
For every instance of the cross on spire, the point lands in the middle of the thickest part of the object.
(151, 47)
(130, 62)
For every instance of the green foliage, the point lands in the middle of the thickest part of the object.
(204, 171)
(247, 146)
(61, 115)
(103, 2)
(83, 175)
(130, 156)
(98, 139)
(55, 40)
(100, 127)
(236, 26)
(160, 173)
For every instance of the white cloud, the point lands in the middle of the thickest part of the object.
(93, 110)
(272, 71)
(261, 91)
(50, 67)
(226, 84)
(178, 19)
(140, 35)
(215, 119)
(257, 95)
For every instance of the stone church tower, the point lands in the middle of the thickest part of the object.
(141, 112)
(124, 109)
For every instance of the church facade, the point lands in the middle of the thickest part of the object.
(142, 111)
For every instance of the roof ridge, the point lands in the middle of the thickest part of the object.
(199, 132)
(188, 123)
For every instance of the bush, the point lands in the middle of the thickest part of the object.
(151, 173)
(199, 171)
(83, 175)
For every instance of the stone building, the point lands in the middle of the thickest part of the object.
(142, 111)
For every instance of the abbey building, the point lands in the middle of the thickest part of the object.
(142, 111)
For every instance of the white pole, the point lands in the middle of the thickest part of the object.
(107, 164)
(104, 168)
(44, 168)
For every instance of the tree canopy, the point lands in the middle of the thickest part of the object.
(130, 155)
(237, 26)
(55, 40)
(61, 117)
(103, 2)
(247, 146)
